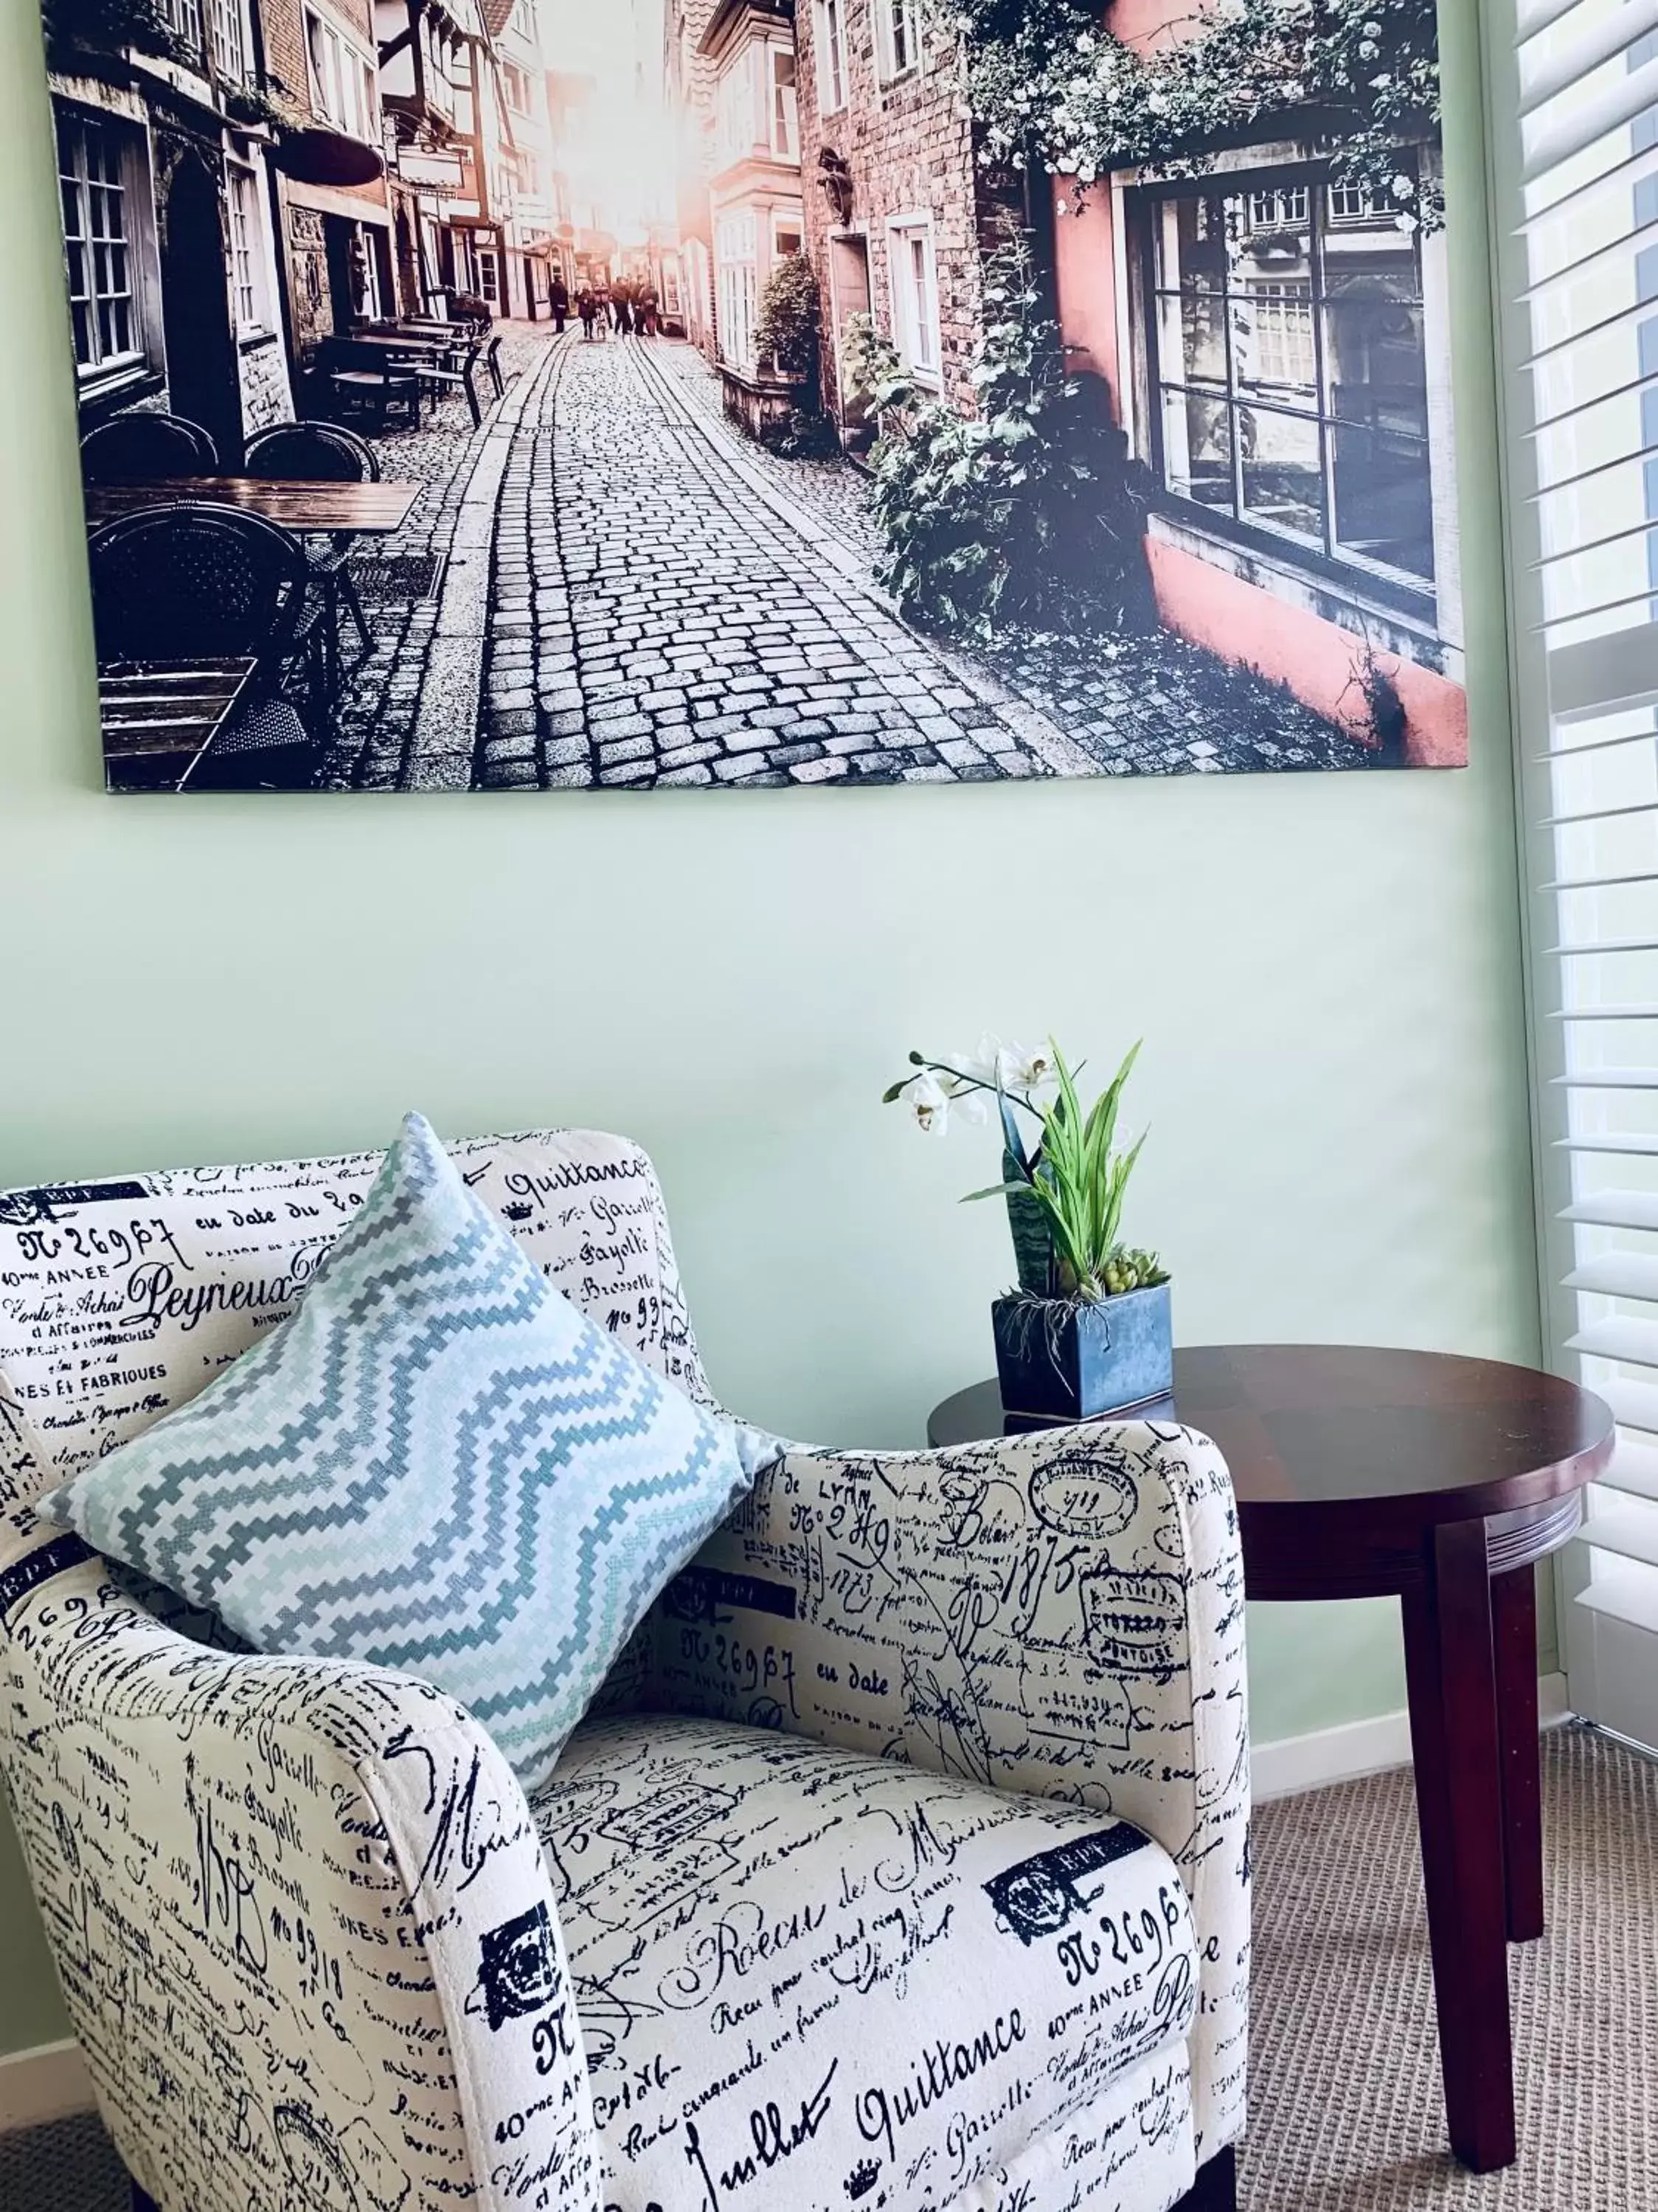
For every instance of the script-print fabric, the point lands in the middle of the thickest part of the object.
(322, 1954)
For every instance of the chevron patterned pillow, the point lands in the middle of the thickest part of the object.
(436, 1463)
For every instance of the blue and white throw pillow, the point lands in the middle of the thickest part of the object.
(436, 1463)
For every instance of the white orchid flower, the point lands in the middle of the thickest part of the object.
(928, 1102)
(1026, 1071)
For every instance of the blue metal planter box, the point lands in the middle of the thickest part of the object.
(1070, 1362)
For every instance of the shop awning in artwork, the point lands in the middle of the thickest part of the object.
(315, 156)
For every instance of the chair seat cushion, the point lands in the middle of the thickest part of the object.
(808, 1978)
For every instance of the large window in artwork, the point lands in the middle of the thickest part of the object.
(735, 248)
(98, 244)
(342, 81)
(1288, 364)
(915, 295)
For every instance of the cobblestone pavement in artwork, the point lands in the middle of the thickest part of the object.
(607, 584)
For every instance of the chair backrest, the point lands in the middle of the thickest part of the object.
(132, 446)
(322, 451)
(120, 1298)
(192, 579)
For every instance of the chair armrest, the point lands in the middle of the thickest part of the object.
(1060, 1613)
(299, 1911)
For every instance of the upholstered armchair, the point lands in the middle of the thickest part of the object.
(903, 1865)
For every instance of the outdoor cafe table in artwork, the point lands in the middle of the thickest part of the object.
(160, 717)
(298, 504)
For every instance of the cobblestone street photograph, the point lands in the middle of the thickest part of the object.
(618, 592)
(700, 393)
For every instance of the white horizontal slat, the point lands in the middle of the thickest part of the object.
(1632, 1143)
(1606, 944)
(1629, 1527)
(1628, 1590)
(1551, 142)
(1618, 1275)
(1634, 1405)
(1607, 268)
(1603, 1013)
(1582, 816)
(1535, 16)
(1634, 1469)
(1587, 748)
(1584, 220)
(1616, 1209)
(1603, 674)
(1544, 77)
(1607, 1079)
(1547, 352)
(1580, 403)
(1600, 882)
(1634, 1343)
(1586, 610)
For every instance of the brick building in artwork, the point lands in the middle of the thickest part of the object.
(164, 157)
(897, 209)
(688, 81)
(333, 212)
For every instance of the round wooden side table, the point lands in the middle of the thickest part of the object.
(1367, 1472)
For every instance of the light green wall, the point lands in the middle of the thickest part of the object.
(1324, 970)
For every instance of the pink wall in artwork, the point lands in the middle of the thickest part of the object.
(1085, 260)
(1136, 22)
(1316, 658)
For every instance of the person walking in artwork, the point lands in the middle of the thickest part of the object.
(622, 302)
(645, 315)
(601, 307)
(588, 308)
(560, 304)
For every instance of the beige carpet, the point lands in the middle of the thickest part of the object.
(1344, 2099)
(1345, 2111)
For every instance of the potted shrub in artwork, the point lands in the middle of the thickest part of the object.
(1087, 1330)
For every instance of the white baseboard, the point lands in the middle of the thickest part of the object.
(1360, 1747)
(43, 2084)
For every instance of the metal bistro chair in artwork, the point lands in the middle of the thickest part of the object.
(493, 362)
(374, 386)
(195, 581)
(454, 371)
(132, 448)
(902, 1862)
(322, 453)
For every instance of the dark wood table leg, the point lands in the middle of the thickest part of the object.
(1513, 1612)
(1451, 1669)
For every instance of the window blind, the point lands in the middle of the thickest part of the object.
(1580, 186)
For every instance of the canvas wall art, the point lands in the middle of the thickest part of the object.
(513, 394)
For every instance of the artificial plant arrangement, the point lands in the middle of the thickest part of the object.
(1088, 1329)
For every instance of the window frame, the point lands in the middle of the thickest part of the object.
(364, 80)
(783, 133)
(909, 312)
(889, 14)
(1405, 590)
(829, 25)
(736, 271)
(120, 365)
(736, 96)
(245, 237)
(228, 40)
